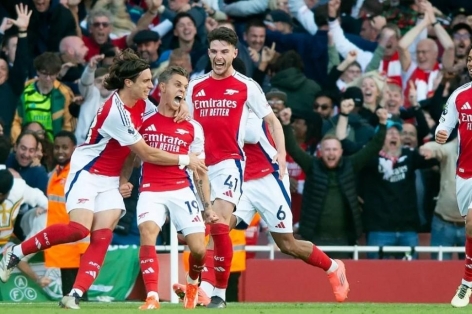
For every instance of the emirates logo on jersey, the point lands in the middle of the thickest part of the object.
(214, 107)
(167, 143)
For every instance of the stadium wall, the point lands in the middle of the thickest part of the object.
(390, 281)
(288, 280)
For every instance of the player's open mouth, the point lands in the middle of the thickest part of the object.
(219, 64)
(393, 143)
(178, 99)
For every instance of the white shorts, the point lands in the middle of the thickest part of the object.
(226, 178)
(270, 197)
(181, 205)
(94, 192)
(464, 195)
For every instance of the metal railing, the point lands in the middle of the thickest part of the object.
(174, 248)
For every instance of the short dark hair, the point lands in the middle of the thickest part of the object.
(27, 132)
(254, 23)
(5, 149)
(289, 59)
(68, 134)
(182, 15)
(48, 62)
(6, 181)
(165, 76)
(127, 65)
(223, 34)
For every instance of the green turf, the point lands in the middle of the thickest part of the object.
(242, 308)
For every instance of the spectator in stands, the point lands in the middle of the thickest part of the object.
(91, 88)
(99, 27)
(289, 78)
(342, 73)
(121, 24)
(324, 104)
(254, 37)
(353, 132)
(447, 227)
(44, 153)
(179, 57)
(307, 132)
(281, 20)
(330, 212)
(45, 99)
(72, 51)
(22, 158)
(185, 37)
(66, 257)
(371, 85)
(50, 22)
(426, 69)
(388, 187)
(461, 36)
(148, 43)
(277, 100)
(13, 70)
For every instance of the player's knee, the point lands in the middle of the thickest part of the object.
(199, 252)
(148, 233)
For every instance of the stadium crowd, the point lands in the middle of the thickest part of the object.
(316, 57)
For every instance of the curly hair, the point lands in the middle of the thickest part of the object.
(127, 65)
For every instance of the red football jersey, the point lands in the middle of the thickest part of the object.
(178, 138)
(221, 107)
(114, 127)
(259, 156)
(458, 108)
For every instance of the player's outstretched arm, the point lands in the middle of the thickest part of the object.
(202, 183)
(449, 119)
(160, 157)
(127, 168)
(277, 132)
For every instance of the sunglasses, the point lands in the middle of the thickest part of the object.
(98, 24)
(275, 102)
(323, 106)
(461, 36)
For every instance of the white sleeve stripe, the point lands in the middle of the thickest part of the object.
(124, 117)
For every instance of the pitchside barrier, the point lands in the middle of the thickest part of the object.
(117, 280)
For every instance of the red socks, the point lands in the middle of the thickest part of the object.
(53, 235)
(149, 267)
(92, 260)
(319, 259)
(468, 259)
(195, 266)
(208, 272)
(223, 254)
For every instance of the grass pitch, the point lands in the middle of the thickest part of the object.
(239, 308)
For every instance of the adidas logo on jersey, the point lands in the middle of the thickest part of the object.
(228, 193)
(148, 271)
(201, 93)
(151, 128)
(466, 106)
(280, 225)
(196, 219)
(92, 273)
